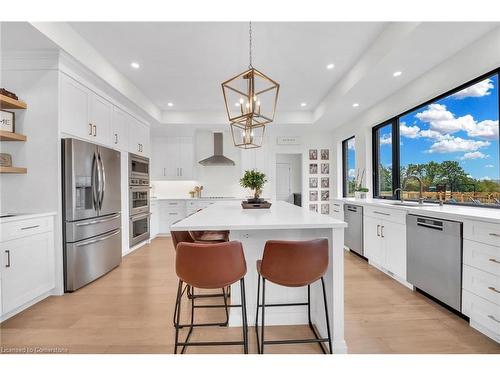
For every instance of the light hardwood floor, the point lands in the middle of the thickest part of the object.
(130, 311)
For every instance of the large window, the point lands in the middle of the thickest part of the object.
(451, 143)
(349, 166)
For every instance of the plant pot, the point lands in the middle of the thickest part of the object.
(360, 194)
(255, 200)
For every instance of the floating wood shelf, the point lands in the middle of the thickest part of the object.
(13, 137)
(9, 103)
(13, 170)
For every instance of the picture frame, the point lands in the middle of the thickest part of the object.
(313, 195)
(325, 168)
(325, 154)
(313, 182)
(313, 154)
(325, 209)
(325, 195)
(7, 121)
(313, 168)
(313, 207)
(325, 182)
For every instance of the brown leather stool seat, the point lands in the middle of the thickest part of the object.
(210, 236)
(292, 264)
(209, 266)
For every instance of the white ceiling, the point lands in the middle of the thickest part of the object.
(185, 63)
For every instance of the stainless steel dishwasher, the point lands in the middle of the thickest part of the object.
(434, 258)
(353, 234)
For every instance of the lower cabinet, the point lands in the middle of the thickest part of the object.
(27, 271)
(385, 244)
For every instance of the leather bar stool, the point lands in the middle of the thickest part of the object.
(185, 236)
(292, 264)
(209, 266)
(210, 236)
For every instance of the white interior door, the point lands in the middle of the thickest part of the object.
(284, 182)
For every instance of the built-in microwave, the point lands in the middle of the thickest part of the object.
(138, 167)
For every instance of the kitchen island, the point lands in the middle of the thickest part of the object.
(283, 221)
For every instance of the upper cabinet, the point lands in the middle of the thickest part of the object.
(173, 158)
(120, 130)
(87, 115)
(139, 138)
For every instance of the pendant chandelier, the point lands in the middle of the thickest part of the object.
(250, 99)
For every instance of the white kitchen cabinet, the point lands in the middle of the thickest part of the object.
(154, 219)
(338, 210)
(75, 103)
(120, 129)
(85, 114)
(27, 264)
(139, 142)
(170, 211)
(385, 244)
(173, 158)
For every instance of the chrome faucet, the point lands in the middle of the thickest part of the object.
(421, 187)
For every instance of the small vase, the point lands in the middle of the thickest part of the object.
(360, 195)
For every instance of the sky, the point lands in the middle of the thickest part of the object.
(461, 127)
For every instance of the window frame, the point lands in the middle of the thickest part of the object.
(345, 166)
(396, 147)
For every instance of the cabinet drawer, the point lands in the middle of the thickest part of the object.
(481, 311)
(482, 256)
(396, 216)
(479, 231)
(24, 228)
(482, 284)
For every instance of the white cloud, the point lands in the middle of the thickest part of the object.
(444, 123)
(351, 144)
(485, 178)
(475, 91)
(473, 155)
(352, 173)
(457, 144)
(409, 131)
(487, 129)
(386, 140)
(489, 166)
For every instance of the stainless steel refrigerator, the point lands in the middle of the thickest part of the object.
(91, 212)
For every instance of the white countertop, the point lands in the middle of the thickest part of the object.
(231, 216)
(198, 199)
(18, 217)
(447, 211)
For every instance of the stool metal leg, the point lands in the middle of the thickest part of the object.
(263, 313)
(244, 315)
(177, 314)
(257, 314)
(327, 317)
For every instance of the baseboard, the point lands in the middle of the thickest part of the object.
(392, 275)
(25, 306)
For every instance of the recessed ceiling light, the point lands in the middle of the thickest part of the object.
(397, 74)
(303, 104)
(355, 105)
(135, 65)
(330, 66)
(170, 104)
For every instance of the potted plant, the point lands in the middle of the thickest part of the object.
(360, 190)
(254, 180)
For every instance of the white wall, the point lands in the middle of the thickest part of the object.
(478, 58)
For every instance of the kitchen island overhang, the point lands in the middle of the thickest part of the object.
(283, 221)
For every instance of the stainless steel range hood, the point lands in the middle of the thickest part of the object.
(218, 158)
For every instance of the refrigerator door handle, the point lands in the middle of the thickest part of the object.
(94, 179)
(99, 239)
(102, 181)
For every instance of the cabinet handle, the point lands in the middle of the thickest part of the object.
(163, 171)
(494, 234)
(492, 288)
(95, 130)
(493, 318)
(181, 171)
(378, 230)
(173, 213)
(90, 128)
(381, 213)
(8, 259)
(116, 139)
(494, 260)
(382, 231)
(32, 227)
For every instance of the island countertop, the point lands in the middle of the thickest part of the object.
(231, 216)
